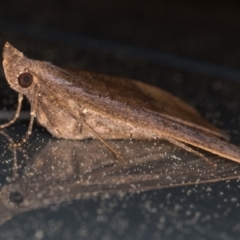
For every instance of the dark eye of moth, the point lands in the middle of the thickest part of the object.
(25, 80)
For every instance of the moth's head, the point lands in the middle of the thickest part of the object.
(18, 69)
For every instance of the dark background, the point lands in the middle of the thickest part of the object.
(190, 48)
(205, 30)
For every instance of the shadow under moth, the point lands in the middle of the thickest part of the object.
(74, 104)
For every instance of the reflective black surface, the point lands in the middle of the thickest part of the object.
(61, 175)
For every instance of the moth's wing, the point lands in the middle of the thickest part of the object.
(144, 96)
(123, 102)
(175, 109)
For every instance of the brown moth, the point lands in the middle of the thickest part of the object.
(75, 104)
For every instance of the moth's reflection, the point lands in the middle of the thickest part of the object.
(66, 170)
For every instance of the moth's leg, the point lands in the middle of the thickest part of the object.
(32, 116)
(105, 143)
(189, 149)
(20, 98)
(14, 150)
(29, 132)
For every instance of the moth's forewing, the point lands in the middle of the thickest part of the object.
(138, 94)
(141, 112)
(143, 96)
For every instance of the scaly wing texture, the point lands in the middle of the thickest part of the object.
(134, 109)
(144, 96)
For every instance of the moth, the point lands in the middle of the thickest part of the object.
(75, 104)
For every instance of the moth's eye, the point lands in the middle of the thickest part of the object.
(25, 80)
(16, 197)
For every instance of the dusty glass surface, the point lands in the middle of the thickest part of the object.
(60, 189)
(57, 174)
